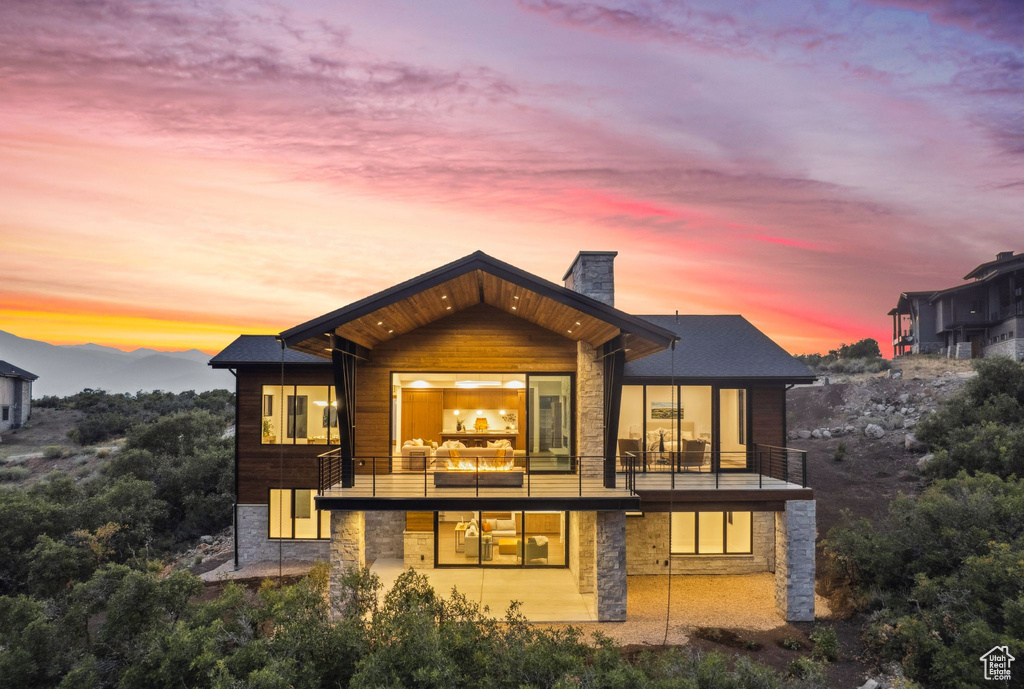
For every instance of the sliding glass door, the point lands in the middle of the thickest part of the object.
(501, 539)
(549, 422)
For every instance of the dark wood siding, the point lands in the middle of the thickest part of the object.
(478, 339)
(768, 410)
(262, 467)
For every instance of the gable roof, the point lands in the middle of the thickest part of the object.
(474, 279)
(261, 349)
(11, 371)
(1006, 260)
(727, 347)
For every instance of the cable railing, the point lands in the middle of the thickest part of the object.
(468, 476)
(726, 468)
(763, 466)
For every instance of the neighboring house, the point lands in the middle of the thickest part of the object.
(481, 416)
(983, 317)
(15, 396)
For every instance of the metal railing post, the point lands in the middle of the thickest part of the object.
(478, 485)
(527, 475)
(373, 479)
(579, 470)
(718, 467)
(760, 473)
(804, 460)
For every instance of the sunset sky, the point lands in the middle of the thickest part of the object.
(175, 173)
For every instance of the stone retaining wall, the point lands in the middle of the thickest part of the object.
(1013, 348)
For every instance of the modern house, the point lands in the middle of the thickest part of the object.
(15, 396)
(479, 416)
(981, 317)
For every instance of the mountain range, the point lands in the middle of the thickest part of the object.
(67, 369)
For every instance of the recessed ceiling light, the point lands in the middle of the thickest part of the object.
(447, 308)
(515, 297)
(479, 412)
(578, 323)
(380, 322)
(444, 296)
(570, 332)
(513, 308)
(390, 331)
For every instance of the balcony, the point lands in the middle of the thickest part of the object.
(563, 482)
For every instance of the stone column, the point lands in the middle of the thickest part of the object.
(611, 566)
(582, 543)
(348, 545)
(386, 529)
(589, 412)
(794, 561)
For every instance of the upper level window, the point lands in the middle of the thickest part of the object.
(299, 415)
(712, 533)
(5, 413)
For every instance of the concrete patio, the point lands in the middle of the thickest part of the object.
(547, 595)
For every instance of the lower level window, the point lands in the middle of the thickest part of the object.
(293, 514)
(712, 533)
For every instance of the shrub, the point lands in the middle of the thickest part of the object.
(13, 474)
(941, 575)
(806, 669)
(981, 427)
(826, 644)
(791, 644)
(840, 454)
(54, 452)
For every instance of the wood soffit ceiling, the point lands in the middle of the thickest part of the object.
(466, 290)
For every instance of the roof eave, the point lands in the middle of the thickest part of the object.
(478, 261)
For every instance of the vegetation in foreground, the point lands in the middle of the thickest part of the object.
(942, 576)
(170, 484)
(129, 628)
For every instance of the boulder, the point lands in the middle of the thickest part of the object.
(870, 684)
(804, 434)
(925, 459)
(792, 435)
(909, 423)
(895, 373)
(816, 433)
(912, 444)
(849, 429)
(873, 430)
(904, 398)
(206, 539)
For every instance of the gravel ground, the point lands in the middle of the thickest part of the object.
(732, 602)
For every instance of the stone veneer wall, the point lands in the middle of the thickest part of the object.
(348, 544)
(589, 411)
(384, 539)
(610, 559)
(647, 549)
(419, 549)
(582, 545)
(1013, 348)
(794, 561)
(254, 545)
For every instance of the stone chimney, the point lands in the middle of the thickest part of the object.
(592, 273)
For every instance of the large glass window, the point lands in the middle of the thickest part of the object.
(711, 533)
(673, 426)
(299, 415)
(732, 427)
(550, 418)
(293, 514)
(502, 539)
